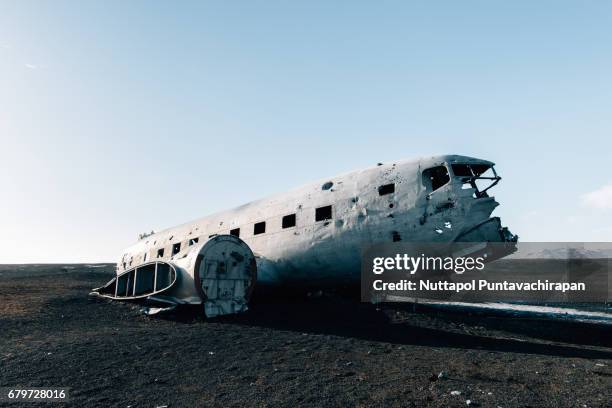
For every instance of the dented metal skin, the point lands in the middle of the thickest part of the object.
(328, 252)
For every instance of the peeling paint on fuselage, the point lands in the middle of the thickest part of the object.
(330, 250)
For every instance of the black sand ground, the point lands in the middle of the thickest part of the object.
(327, 351)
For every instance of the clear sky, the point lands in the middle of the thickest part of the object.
(121, 117)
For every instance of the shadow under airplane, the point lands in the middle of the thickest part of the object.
(406, 324)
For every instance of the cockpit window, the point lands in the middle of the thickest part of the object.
(469, 170)
(435, 177)
(480, 177)
(462, 170)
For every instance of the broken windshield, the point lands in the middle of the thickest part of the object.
(435, 177)
(480, 177)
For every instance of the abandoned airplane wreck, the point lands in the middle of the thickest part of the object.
(312, 235)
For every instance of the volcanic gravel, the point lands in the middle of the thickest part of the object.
(291, 350)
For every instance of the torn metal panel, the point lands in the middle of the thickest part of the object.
(140, 282)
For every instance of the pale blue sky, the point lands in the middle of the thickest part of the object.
(122, 117)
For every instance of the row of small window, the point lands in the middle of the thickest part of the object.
(176, 248)
(288, 221)
(321, 214)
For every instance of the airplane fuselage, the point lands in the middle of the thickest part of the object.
(316, 233)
